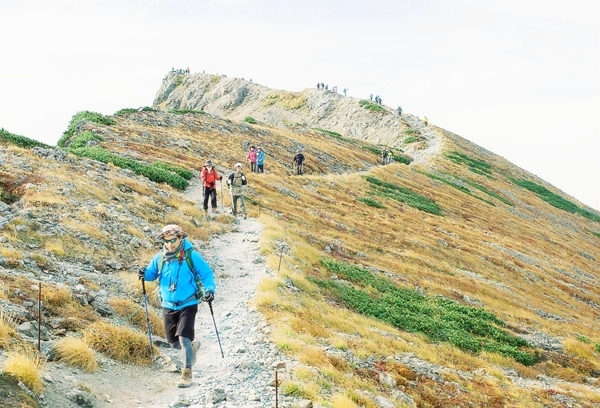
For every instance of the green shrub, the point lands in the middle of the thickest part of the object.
(83, 116)
(411, 139)
(402, 158)
(370, 106)
(556, 200)
(370, 202)
(153, 172)
(250, 119)
(126, 111)
(410, 131)
(185, 173)
(403, 195)
(441, 319)
(475, 165)
(185, 111)
(21, 141)
(81, 139)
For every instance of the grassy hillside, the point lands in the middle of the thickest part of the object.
(470, 267)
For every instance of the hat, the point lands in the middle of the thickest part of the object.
(208, 163)
(238, 165)
(172, 229)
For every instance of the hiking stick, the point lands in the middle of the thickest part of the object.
(216, 331)
(221, 183)
(147, 318)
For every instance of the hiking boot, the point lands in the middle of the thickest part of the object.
(195, 346)
(186, 378)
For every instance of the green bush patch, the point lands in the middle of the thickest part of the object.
(370, 106)
(186, 111)
(404, 195)
(250, 119)
(370, 202)
(83, 138)
(411, 139)
(83, 116)
(475, 165)
(155, 172)
(21, 141)
(555, 200)
(440, 319)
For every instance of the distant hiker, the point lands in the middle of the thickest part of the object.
(399, 110)
(236, 182)
(251, 156)
(384, 155)
(179, 269)
(345, 90)
(298, 162)
(209, 178)
(371, 96)
(327, 87)
(260, 160)
(390, 156)
(425, 120)
(318, 86)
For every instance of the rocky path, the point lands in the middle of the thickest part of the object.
(421, 152)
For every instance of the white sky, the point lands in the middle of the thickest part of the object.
(518, 77)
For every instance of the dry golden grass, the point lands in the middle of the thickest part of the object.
(76, 353)
(119, 343)
(7, 329)
(133, 284)
(136, 315)
(26, 366)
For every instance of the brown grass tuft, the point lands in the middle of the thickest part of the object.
(76, 353)
(119, 343)
(136, 315)
(26, 367)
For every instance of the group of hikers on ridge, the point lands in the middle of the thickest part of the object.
(256, 159)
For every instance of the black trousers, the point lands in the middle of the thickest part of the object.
(210, 192)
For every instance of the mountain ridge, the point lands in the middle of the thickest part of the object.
(457, 223)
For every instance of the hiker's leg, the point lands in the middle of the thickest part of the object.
(185, 331)
(242, 204)
(206, 196)
(213, 198)
(170, 318)
(234, 204)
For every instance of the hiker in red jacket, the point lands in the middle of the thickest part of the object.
(209, 177)
(252, 156)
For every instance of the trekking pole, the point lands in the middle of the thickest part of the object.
(147, 318)
(221, 183)
(216, 331)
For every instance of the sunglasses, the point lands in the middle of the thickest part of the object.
(170, 241)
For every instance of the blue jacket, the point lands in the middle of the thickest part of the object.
(260, 157)
(178, 271)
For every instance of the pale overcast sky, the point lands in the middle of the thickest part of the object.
(518, 77)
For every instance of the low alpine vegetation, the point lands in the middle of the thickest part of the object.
(187, 111)
(82, 139)
(79, 117)
(251, 120)
(556, 200)
(20, 141)
(370, 106)
(155, 173)
(442, 320)
(403, 195)
(475, 165)
(370, 202)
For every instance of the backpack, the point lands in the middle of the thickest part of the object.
(188, 257)
(210, 177)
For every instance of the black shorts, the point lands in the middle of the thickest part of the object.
(180, 323)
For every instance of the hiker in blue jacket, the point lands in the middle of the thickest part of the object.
(260, 160)
(176, 267)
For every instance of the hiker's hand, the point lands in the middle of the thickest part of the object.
(209, 296)
(141, 272)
